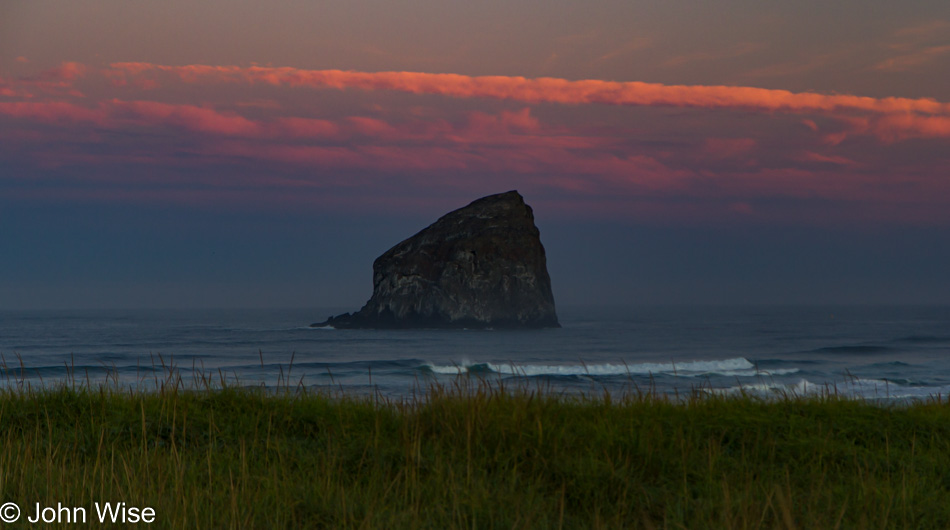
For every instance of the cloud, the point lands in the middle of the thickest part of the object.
(118, 114)
(894, 127)
(508, 141)
(190, 117)
(543, 90)
(508, 129)
(56, 81)
(904, 126)
(902, 114)
(810, 156)
(916, 46)
(9, 90)
(67, 71)
(256, 143)
(909, 61)
(52, 112)
(59, 77)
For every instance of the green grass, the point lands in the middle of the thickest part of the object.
(477, 458)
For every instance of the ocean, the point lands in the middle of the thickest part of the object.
(877, 353)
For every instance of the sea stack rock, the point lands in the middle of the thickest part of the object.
(479, 266)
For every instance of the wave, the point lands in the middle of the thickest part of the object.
(739, 366)
(851, 388)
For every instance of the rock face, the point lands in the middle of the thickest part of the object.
(479, 266)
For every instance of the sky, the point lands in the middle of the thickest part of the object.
(205, 153)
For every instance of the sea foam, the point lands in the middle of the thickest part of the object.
(849, 388)
(736, 367)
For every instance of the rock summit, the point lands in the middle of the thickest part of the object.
(479, 266)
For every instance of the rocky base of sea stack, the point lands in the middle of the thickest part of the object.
(357, 321)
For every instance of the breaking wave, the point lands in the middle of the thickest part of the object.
(851, 388)
(739, 366)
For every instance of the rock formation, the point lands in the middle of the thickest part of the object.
(476, 267)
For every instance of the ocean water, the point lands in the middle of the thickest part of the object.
(879, 353)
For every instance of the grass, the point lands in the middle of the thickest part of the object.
(476, 456)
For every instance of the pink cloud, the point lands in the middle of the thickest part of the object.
(52, 112)
(187, 116)
(64, 73)
(527, 147)
(512, 143)
(7, 90)
(55, 81)
(506, 130)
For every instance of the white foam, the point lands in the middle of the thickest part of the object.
(558, 369)
(855, 387)
(756, 372)
(735, 367)
(454, 369)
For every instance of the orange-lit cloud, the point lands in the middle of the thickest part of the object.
(545, 89)
(897, 127)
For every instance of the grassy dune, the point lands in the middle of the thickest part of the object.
(476, 458)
